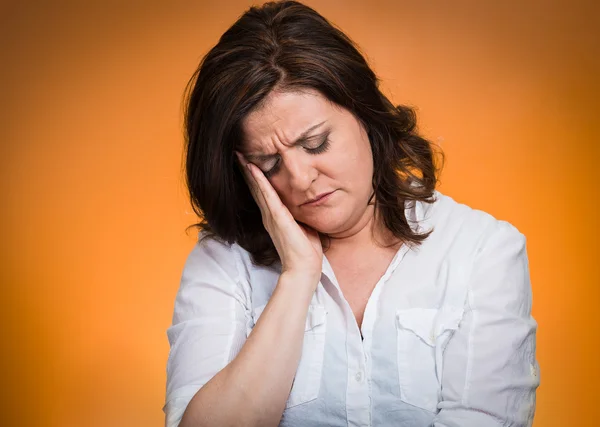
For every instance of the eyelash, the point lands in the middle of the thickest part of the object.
(318, 150)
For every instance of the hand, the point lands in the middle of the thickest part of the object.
(299, 246)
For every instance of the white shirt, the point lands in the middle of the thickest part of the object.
(449, 340)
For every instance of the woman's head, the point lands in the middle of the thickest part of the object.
(308, 146)
(279, 71)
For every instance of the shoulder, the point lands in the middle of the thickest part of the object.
(460, 226)
(485, 256)
(212, 256)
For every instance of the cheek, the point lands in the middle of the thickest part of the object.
(351, 166)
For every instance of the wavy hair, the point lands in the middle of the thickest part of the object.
(287, 45)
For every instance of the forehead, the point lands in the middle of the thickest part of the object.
(284, 116)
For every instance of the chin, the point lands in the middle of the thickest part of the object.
(325, 223)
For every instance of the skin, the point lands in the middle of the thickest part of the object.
(346, 166)
(258, 381)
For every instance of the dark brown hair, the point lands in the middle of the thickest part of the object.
(289, 46)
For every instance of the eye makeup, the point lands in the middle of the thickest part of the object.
(324, 146)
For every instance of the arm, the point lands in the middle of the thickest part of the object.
(212, 368)
(257, 382)
(490, 373)
(251, 387)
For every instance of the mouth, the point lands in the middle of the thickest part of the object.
(321, 198)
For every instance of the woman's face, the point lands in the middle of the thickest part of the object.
(307, 146)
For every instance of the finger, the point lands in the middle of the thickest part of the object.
(247, 173)
(268, 193)
(273, 211)
(251, 182)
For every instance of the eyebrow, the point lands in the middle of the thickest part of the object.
(303, 138)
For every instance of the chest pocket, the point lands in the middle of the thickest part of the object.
(307, 380)
(422, 335)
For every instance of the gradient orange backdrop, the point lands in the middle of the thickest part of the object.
(94, 209)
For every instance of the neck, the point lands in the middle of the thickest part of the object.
(369, 231)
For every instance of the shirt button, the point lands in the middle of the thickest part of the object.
(358, 376)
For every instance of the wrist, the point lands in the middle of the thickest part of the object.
(300, 281)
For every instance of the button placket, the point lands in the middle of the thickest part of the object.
(358, 400)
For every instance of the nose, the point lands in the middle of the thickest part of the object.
(301, 172)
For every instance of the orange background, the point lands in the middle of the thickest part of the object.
(94, 208)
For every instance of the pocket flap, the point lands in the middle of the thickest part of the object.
(257, 311)
(317, 315)
(420, 321)
(448, 319)
(429, 323)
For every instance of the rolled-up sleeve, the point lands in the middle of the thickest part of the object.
(209, 323)
(490, 373)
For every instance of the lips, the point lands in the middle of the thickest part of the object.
(320, 196)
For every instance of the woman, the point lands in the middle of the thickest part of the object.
(332, 284)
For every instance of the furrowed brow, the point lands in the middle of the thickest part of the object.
(303, 138)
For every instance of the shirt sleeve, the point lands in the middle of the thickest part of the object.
(209, 324)
(490, 373)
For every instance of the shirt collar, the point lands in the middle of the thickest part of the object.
(414, 211)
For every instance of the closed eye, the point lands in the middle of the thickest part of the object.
(324, 146)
